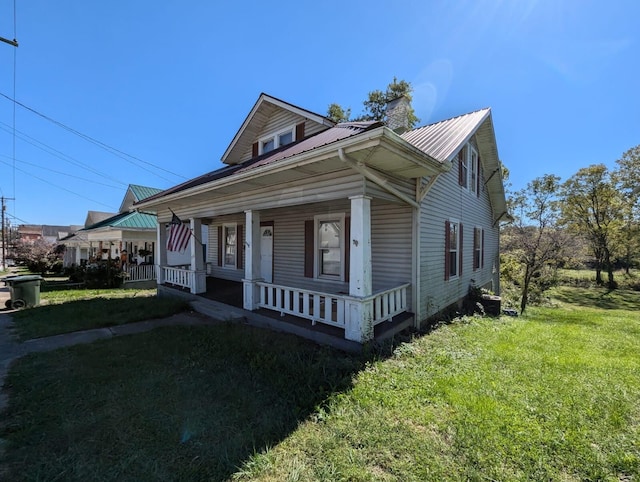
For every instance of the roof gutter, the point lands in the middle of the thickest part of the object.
(380, 181)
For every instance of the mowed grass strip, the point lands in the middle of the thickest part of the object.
(74, 310)
(554, 395)
(178, 403)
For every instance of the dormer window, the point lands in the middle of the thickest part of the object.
(279, 139)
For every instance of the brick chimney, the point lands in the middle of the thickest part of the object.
(397, 114)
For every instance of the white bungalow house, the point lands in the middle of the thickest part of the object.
(353, 225)
(128, 235)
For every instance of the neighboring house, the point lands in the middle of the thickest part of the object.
(48, 233)
(108, 235)
(351, 225)
(29, 233)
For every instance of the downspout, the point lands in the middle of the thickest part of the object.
(416, 269)
(380, 181)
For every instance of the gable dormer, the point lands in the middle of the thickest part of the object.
(271, 124)
(134, 194)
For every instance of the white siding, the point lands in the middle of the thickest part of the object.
(390, 238)
(448, 200)
(280, 120)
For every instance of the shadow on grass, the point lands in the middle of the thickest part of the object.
(178, 403)
(85, 314)
(595, 297)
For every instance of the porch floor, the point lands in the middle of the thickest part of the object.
(231, 292)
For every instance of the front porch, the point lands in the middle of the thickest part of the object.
(319, 269)
(310, 319)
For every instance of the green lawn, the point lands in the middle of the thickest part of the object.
(73, 310)
(554, 395)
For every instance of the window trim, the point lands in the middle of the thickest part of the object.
(275, 136)
(478, 237)
(464, 167)
(474, 170)
(316, 251)
(459, 249)
(469, 169)
(224, 246)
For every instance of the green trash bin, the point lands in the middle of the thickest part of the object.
(25, 291)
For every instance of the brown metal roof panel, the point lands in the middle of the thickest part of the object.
(333, 134)
(341, 131)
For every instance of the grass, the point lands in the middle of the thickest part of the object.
(554, 395)
(173, 404)
(73, 310)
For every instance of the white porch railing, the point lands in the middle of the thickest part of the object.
(389, 303)
(144, 272)
(178, 276)
(329, 308)
(195, 281)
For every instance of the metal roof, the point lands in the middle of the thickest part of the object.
(143, 192)
(132, 220)
(333, 134)
(443, 139)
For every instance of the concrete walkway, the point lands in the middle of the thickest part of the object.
(11, 348)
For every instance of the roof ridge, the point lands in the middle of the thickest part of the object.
(451, 118)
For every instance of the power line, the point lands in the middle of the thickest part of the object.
(114, 151)
(91, 181)
(59, 154)
(55, 185)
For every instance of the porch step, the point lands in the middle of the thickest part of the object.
(219, 311)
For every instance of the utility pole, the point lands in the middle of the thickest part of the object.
(4, 239)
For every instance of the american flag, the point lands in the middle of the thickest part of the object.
(178, 234)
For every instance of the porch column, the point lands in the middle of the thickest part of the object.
(252, 272)
(359, 322)
(197, 257)
(161, 255)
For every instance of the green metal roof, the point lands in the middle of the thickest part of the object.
(132, 220)
(143, 192)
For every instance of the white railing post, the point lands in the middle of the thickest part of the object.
(251, 294)
(161, 247)
(359, 310)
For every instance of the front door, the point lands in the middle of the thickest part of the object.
(266, 253)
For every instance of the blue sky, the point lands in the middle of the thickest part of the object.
(170, 82)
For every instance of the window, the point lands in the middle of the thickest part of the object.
(464, 167)
(453, 249)
(230, 245)
(473, 181)
(469, 169)
(478, 248)
(285, 138)
(267, 145)
(279, 139)
(329, 257)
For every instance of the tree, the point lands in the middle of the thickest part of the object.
(592, 207)
(627, 178)
(39, 256)
(376, 104)
(337, 114)
(533, 238)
